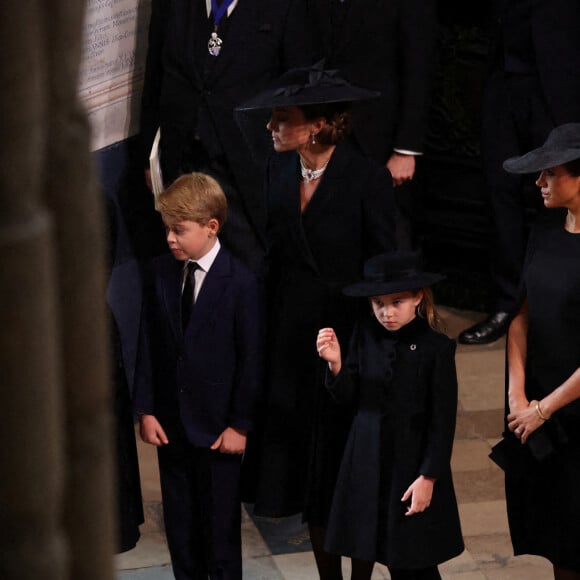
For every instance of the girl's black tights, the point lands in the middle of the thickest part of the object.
(329, 565)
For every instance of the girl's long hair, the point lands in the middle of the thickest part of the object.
(426, 309)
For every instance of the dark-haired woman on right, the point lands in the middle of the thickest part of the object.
(543, 382)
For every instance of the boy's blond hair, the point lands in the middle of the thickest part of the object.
(195, 197)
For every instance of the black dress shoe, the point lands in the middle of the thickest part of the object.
(486, 331)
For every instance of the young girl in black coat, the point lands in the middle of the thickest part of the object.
(394, 501)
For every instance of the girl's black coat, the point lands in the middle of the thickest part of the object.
(404, 387)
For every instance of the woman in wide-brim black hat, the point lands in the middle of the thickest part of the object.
(394, 501)
(310, 114)
(328, 209)
(543, 355)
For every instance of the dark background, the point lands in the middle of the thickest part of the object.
(452, 214)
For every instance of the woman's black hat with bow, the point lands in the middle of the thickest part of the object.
(308, 86)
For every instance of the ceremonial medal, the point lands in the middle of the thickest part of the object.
(214, 44)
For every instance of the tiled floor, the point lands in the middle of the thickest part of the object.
(279, 550)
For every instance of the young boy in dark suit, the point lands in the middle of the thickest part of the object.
(199, 383)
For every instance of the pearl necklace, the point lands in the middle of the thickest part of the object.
(309, 175)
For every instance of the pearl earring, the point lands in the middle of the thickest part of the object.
(313, 136)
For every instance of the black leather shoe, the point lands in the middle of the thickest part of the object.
(486, 331)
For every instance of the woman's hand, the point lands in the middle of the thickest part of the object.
(328, 349)
(523, 421)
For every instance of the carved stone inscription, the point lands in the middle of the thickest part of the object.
(112, 68)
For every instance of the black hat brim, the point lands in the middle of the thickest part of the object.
(540, 159)
(367, 288)
(286, 97)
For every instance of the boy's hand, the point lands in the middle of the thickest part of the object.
(151, 430)
(420, 492)
(231, 441)
(329, 349)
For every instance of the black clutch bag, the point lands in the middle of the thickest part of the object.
(511, 455)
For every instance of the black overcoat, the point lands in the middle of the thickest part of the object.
(312, 256)
(404, 388)
(389, 46)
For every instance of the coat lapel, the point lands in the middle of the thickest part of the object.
(288, 196)
(332, 185)
(330, 189)
(216, 281)
(171, 291)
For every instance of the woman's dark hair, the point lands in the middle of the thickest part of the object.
(338, 121)
(573, 167)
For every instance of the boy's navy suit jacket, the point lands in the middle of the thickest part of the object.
(210, 375)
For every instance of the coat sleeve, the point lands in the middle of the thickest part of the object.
(379, 213)
(143, 397)
(441, 427)
(343, 388)
(250, 344)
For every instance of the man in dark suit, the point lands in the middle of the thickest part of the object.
(199, 380)
(533, 86)
(387, 46)
(193, 82)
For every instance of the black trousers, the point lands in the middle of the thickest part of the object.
(202, 509)
(515, 119)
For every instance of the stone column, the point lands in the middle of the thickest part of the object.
(32, 541)
(73, 195)
(55, 431)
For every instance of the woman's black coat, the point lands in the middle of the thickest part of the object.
(312, 256)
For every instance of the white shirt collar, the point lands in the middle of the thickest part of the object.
(205, 262)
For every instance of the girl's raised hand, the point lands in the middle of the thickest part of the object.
(329, 349)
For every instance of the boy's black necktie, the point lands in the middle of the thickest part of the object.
(188, 293)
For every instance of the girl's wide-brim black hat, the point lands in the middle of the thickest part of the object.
(392, 272)
(308, 86)
(561, 146)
